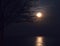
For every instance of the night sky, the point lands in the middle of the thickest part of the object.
(20, 27)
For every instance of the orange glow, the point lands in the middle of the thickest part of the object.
(39, 41)
(39, 14)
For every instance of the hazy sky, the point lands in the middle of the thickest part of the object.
(14, 12)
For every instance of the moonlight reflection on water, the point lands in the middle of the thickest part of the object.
(39, 41)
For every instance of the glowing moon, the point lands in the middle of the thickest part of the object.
(39, 14)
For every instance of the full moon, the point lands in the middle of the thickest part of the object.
(39, 14)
